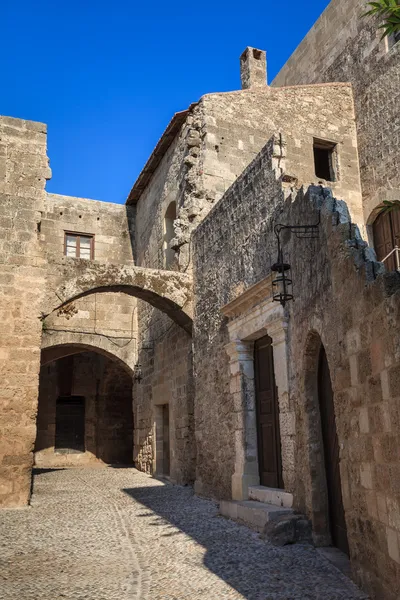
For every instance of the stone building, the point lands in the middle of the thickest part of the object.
(151, 332)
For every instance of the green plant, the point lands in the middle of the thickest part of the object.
(389, 11)
(390, 206)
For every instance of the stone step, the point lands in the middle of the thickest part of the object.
(252, 513)
(271, 496)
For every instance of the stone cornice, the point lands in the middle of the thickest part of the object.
(251, 297)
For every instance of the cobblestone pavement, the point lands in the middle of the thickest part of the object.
(104, 534)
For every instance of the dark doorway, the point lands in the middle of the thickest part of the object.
(70, 424)
(166, 449)
(269, 442)
(331, 455)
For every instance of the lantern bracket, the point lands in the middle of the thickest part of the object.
(281, 285)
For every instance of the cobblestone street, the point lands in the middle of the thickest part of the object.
(104, 534)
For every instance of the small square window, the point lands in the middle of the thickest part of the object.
(79, 245)
(324, 159)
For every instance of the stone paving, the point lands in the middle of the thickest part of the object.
(105, 534)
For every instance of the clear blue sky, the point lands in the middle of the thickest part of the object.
(107, 76)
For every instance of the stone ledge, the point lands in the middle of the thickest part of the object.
(273, 496)
(252, 513)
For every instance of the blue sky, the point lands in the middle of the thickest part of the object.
(107, 76)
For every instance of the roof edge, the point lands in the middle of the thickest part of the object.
(158, 153)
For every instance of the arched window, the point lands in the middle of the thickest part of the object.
(386, 231)
(169, 234)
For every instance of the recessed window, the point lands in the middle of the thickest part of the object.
(79, 245)
(169, 234)
(324, 159)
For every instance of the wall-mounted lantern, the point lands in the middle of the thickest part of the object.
(137, 372)
(282, 284)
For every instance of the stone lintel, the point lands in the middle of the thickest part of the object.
(251, 297)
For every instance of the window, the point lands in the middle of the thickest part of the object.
(169, 234)
(386, 230)
(79, 245)
(325, 159)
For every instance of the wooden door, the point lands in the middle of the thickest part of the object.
(70, 424)
(386, 230)
(269, 442)
(331, 456)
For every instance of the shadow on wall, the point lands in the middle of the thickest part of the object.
(234, 554)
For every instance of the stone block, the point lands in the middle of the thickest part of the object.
(272, 496)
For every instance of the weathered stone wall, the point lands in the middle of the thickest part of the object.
(343, 46)
(107, 389)
(232, 250)
(112, 226)
(337, 300)
(222, 134)
(108, 316)
(239, 124)
(218, 139)
(167, 379)
(23, 173)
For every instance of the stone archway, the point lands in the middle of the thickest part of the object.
(59, 344)
(169, 291)
(317, 495)
(85, 407)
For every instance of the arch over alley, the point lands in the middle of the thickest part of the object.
(169, 291)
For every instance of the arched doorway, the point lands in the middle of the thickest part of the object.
(337, 522)
(386, 233)
(84, 411)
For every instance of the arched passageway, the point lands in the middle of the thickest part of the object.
(327, 510)
(169, 291)
(85, 409)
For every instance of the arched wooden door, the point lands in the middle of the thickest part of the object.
(269, 440)
(331, 455)
(386, 230)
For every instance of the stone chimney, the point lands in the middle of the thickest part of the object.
(253, 68)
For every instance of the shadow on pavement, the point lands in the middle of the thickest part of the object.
(257, 570)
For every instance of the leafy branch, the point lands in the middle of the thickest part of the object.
(390, 206)
(389, 12)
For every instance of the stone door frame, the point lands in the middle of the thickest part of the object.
(252, 316)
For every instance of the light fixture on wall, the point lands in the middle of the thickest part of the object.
(137, 372)
(282, 284)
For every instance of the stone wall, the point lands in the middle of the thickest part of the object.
(107, 389)
(233, 248)
(343, 46)
(219, 138)
(111, 316)
(23, 173)
(345, 301)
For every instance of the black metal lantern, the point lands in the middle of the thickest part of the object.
(137, 372)
(282, 284)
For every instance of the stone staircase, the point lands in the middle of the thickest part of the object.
(269, 511)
